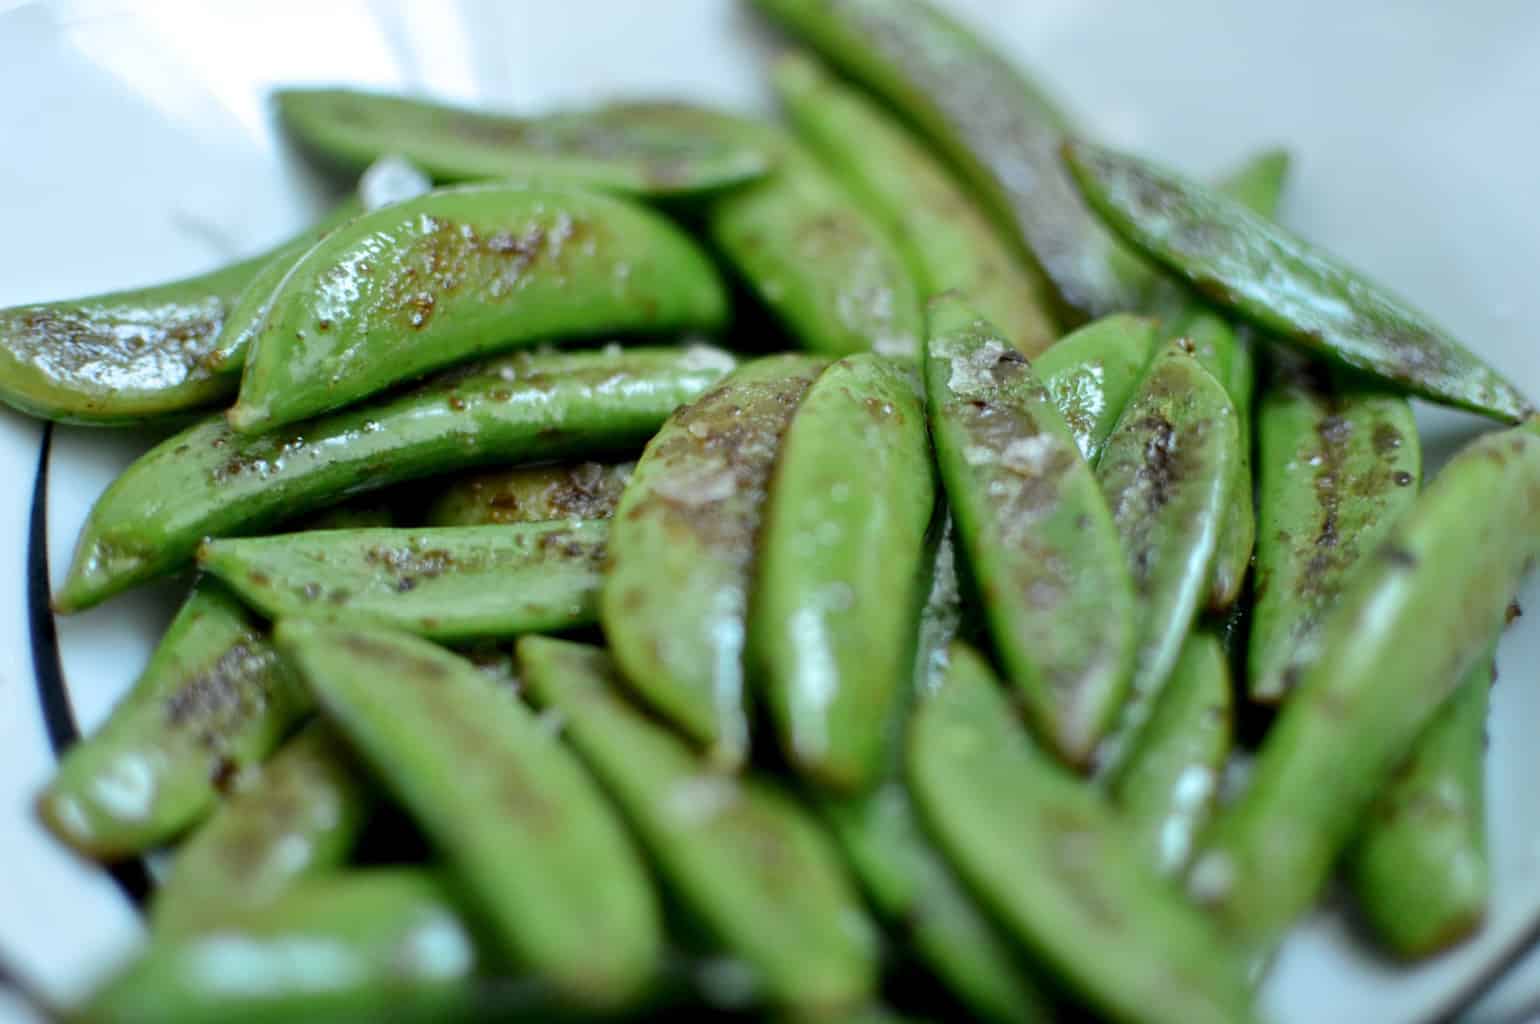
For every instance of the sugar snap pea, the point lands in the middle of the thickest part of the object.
(1414, 619)
(518, 821)
(1167, 786)
(1419, 868)
(646, 148)
(1339, 466)
(838, 587)
(459, 273)
(1166, 471)
(298, 819)
(1059, 869)
(1036, 530)
(749, 862)
(950, 243)
(209, 482)
(1286, 285)
(999, 129)
(1093, 372)
(381, 944)
(812, 252)
(354, 515)
(451, 583)
(131, 357)
(212, 702)
(528, 494)
(675, 602)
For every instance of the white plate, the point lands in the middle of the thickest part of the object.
(138, 146)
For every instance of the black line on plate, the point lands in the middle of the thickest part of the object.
(1488, 978)
(131, 876)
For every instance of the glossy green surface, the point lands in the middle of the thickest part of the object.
(1051, 576)
(448, 584)
(949, 241)
(1060, 871)
(646, 148)
(682, 545)
(209, 482)
(1419, 869)
(1166, 471)
(1167, 786)
(542, 859)
(748, 861)
(1244, 262)
(460, 273)
(297, 818)
(212, 702)
(1338, 467)
(530, 494)
(838, 587)
(1093, 372)
(383, 944)
(989, 121)
(1415, 618)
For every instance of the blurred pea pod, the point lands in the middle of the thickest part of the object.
(1059, 870)
(645, 148)
(297, 819)
(682, 544)
(1297, 292)
(993, 124)
(838, 588)
(1166, 471)
(746, 860)
(1093, 372)
(212, 702)
(137, 356)
(519, 823)
(1168, 784)
(1413, 621)
(209, 482)
(1339, 467)
(384, 944)
(448, 584)
(950, 244)
(463, 272)
(1419, 867)
(529, 494)
(1039, 539)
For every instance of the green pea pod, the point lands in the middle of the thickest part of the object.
(1093, 372)
(381, 944)
(1339, 467)
(459, 273)
(1297, 292)
(355, 515)
(1166, 471)
(647, 148)
(949, 242)
(1167, 786)
(298, 819)
(530, 494)
(517, 819)
(212, 702)
(1037, 532)
(126, 358)
(210, 482)
(993, 124)
(816, 257)
(837, 592)
(745, 859)
(1058, 869)
(1414, 619)
(1419, 867)
(675, 602)
(448, 584)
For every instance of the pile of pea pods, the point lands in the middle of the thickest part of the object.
(848, 621)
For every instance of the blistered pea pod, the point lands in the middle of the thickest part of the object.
(1093, 372)
(531, 494)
